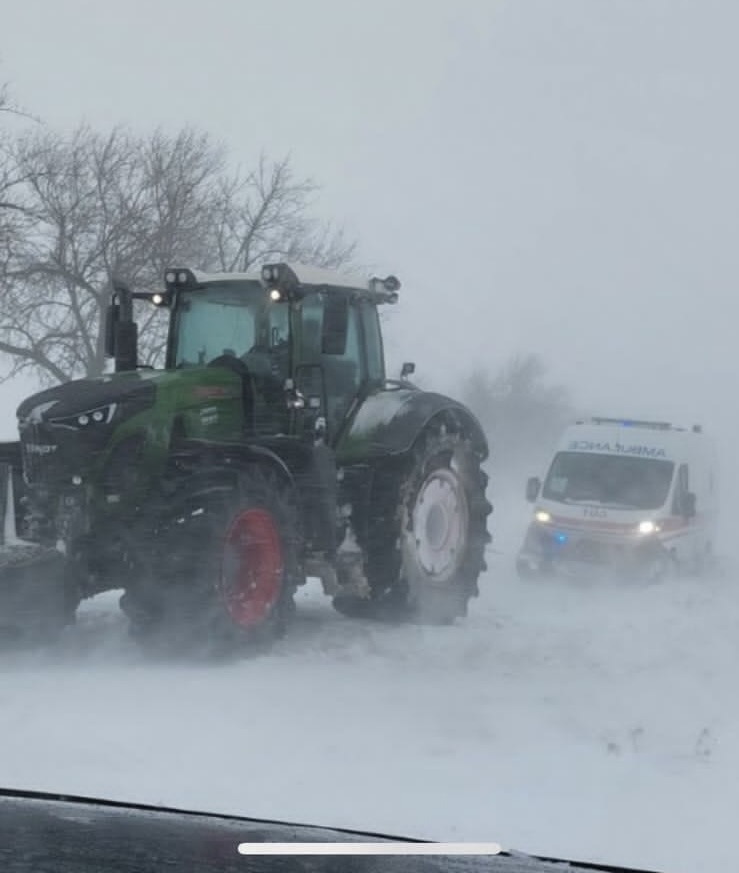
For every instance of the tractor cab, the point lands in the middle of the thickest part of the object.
(306, 350)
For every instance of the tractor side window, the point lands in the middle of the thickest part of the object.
(277, 326)
(342, 374)
(309, 331)
(307, 335)
(373, 339)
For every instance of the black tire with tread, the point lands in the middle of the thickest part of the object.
(394, 596)
(183, 607)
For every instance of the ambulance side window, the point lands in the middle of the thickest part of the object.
(681, 489)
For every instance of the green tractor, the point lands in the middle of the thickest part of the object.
(271, 448)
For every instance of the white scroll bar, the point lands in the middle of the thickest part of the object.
(369, 848)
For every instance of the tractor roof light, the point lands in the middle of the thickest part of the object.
(159, 299)
(123, 296)
(386, 290)
(179, 277)
(281, 280)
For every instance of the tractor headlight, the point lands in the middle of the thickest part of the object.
(542, 516)
(385, 289)
(88, 418)
(282, 282)
(176, 278)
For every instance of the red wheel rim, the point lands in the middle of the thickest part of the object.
(252, 567)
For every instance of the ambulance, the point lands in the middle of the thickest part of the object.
(635, 497)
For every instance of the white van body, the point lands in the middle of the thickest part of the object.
(630, 495)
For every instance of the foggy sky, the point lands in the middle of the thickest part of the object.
(556, 177)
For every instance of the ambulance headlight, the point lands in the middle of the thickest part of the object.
(648, 527)
(542, 516)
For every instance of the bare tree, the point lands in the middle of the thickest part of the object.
(97, 205)
(263, 215)
(94, 211)
(521, 412)
(14, 216)
(9, 178)
(7, 104)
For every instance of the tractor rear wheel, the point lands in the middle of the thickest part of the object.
(234, 554)
(428, 533)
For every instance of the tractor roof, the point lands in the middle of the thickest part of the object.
(307, 276)
(282, 277)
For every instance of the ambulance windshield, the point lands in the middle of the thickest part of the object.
(611, 480)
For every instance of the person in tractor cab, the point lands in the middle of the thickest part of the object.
(268, 361)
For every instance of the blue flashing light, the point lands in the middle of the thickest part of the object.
(561, 537)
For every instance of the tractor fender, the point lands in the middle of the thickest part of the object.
(236, 455)
(307, 471)
(389, 423)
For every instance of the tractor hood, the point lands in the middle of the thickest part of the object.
(86, 396)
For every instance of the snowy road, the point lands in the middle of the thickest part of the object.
(589, 722)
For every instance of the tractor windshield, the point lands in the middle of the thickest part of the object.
(229, 318)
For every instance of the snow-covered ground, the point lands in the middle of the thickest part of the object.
(596, 722)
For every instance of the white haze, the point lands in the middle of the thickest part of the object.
(585, 721)
(550, 177)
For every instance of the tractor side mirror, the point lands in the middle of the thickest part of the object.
(112, 317)
(408, 369)
(126, 346)
(335, 325)
(121, 331)
(533, 486)
(689, 504)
